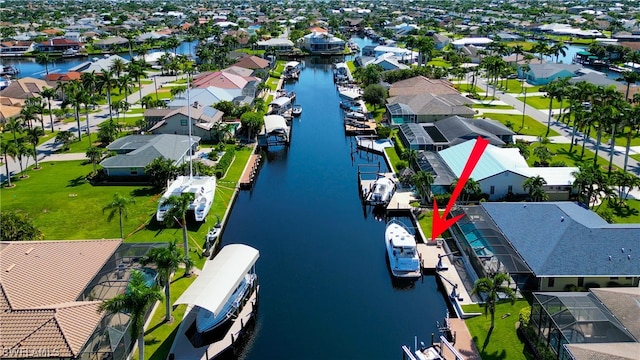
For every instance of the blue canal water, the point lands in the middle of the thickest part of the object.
(325, 288)
(30, 68)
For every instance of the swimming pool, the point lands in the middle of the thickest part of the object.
(149, 275)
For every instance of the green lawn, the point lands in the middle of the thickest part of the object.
(393, 157)
(503, 342)
(159, 335)
(439, 62)
(561, 153)
(491, 106)
(629, 215)
(514, 86)
(635, 157)
(351, 66)
(541, 102)
(136, 111)
(179, 81)
(531, 126)
(468, 88)
(377, 112)
(272, 83)
(621, 137)
(525, 44)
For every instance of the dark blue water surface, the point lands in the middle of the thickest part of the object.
(326, 291)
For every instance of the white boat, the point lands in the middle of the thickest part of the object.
(350, 93)
(222, 289)
(402, 250)
(381, 191)
(70, 53)
(202, 187)
(296, 110)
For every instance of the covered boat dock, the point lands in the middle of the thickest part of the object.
(211, 291)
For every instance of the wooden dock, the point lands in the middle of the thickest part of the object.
(431, 253)
(356, 127)
(250, 171)
(182, 347)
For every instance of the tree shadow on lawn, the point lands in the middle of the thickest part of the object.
(143, 192)
(159, 227)
(80, 180)
(623, 211)
(162, 351)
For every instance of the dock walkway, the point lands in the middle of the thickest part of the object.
(250, 171)
(448, 272)
(182, 347)
(373, 144)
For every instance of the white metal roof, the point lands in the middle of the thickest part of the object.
(220, 277)
(281, 101)
(291, 64)
(275, 122)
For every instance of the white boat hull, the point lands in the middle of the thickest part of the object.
(402, 252)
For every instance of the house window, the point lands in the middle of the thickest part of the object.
(183, 122)
(580, 282)
(133, 171)
(492, 190)
(551, 282)
(510, 188)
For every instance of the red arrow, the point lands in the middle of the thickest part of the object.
(441, 224)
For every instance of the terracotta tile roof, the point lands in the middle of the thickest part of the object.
(222, 80)
(252, 62)
(70, 76)
(24, 88)
(420, 85)
(54, 264)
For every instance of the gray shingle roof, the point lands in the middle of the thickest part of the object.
(140, 150)
(564, 239)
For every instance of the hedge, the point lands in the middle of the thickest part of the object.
(225, 162)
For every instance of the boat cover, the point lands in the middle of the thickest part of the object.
(281, 101)
(220, 277)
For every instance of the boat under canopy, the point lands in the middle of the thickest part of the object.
(220, 277)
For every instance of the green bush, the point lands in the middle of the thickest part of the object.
(383, 132)
(401, 165)
(225, 162)
(525, 315)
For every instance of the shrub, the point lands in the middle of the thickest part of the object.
(558, 163)
(383, 132)
(525, 315)
(401, 165)
(442, 198)
(225, 162)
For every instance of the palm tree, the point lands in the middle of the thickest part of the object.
(633, 123)
(136, 71)
(178, 207)
(411, 156)
(518, 50)
(534, 186)
(554, 89)
(44, 59)
(540, 47)
(118, 66)
(8, 150)
(119, 205)
(630, 77)
(167, 259)
(491, 287)
(135, 301)
(588, 179)
(107, 81)
(558, 49)
(65, 137)
(49, 94)
(33, 135)
(94, 154)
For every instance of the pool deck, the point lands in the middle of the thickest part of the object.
(373, 144)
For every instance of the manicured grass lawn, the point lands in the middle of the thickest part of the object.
(621, 137)
(128, 121)
(377, 112)
(635, 157)
(159, 335)
(439, 62)
(272, 83)
(513, 86)
(136, 111)
(468, 88)
(525, 44)
(625, 216)
(491, 106)
(82, 145)
(503, 342)
(531, 126)
(8, 136)
(351, 66)
(561, 153)
(163, 94)
(393, 157)
(541, 102)
(179, 81)
(425, 220)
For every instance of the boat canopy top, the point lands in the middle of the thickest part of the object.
(220, 278)
(291, 64)
(281, 101)
(275, 123)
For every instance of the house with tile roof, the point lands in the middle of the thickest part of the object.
(25, 88)
(59, 45)
(15, 48)
(208, 96)
(98, 64)
(421, 84)
(322, 42)
(252, 62)
(50, 292)
(235, 85)
(134, 152)
(426, 107)
(176, 121)
(548, 246)
(542, 74)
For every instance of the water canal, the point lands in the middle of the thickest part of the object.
(326, 291)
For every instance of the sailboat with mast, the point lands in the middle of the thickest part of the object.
(202, 187)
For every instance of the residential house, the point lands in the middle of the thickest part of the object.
(386, 61)
(176, 121)
(476, 41)
(54, 314)
(322, 43)
(58, 45)
(208, 96)
(252, 62)
(73, 36)
(70, 76)
(98, 64)
(277, 44)
(426, 107)
(420, 84)
(402, 54)
(501, 172)
(542, 74)
(611, 329)
(440, 41)
(548, 246)
(9, 108)
(135, 152)
(452, 131)
(236, 85)
(15, 48)
(110, 43)
(25, 88)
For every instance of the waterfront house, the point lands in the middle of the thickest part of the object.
(277, 44)
(476, 41)
(420, 85)
(110, 43)
(452, 131)
(50, 292)
(9, 108)
(402, 54)
(603, 323)
(15, 48)
(208, 96)
(134, 152)
(252, 62)
(235, 85)
(542, 74)
(548, 246)
(386, 61)
(176, 121)
(58, 45)
(322, 43)
(98, 64)
(426, 107)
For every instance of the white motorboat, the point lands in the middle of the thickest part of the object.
(296, 110)
(203, 189)
(381, 192)
(208, 321)
(402, 250)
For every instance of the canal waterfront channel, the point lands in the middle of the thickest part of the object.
(325, 288)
